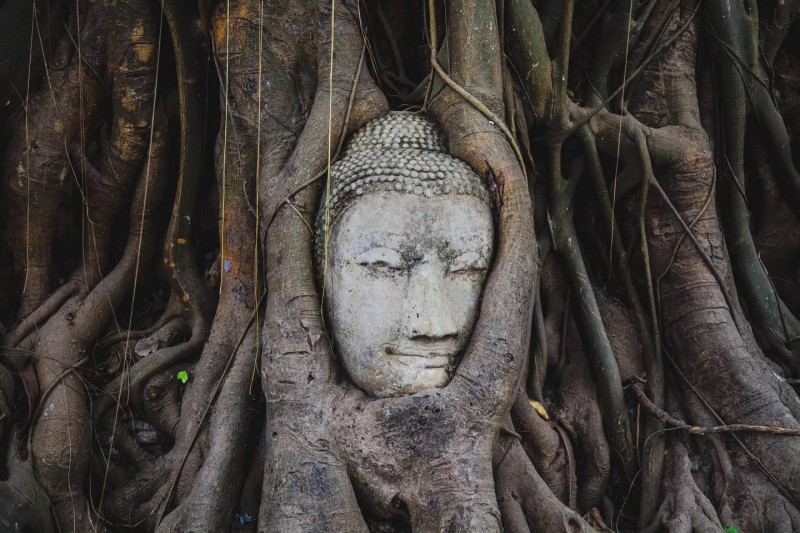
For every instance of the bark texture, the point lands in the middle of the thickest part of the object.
(165, 365)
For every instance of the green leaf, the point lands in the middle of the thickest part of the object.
(183, 375)
(731, 529)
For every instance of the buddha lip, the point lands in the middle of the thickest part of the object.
(412, 352)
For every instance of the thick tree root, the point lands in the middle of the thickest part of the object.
(686, 508)
(526, 502)
(60, 464)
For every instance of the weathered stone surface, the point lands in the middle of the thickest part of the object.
(411, 238)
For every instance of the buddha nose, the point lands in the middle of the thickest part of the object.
(428, 308)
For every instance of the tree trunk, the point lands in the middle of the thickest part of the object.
(635, 362)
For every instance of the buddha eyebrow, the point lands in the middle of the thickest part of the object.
(449, 252)
(471, 241)
(375, 239)
(380, 235)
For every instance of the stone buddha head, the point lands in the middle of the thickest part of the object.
(409, 242)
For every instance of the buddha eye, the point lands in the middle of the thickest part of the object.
(467, 263)
(382, 259)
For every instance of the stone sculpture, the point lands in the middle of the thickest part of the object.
(404, 261)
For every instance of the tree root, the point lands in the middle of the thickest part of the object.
(61, 466)
(697, 430)
(294, 82)
(526, 502)
(209, 504)
(23, 503)
(546, 451)
(685, 508)
(580, 416)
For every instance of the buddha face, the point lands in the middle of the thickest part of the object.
(403, 287)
